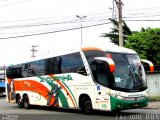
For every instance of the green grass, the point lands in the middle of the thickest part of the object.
(154, 98)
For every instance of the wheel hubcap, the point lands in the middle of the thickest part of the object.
(88, 105)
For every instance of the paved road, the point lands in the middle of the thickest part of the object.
(9, 111)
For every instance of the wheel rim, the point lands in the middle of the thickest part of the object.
(26, 103)
(88, 106)
(19, 102)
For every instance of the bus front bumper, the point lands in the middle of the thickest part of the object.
(119, 104)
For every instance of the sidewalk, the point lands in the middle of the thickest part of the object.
(153, 105)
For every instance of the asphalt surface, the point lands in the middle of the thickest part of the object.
(153, 105)
(9, 111)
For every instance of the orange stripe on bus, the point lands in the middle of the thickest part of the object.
(91, 48)
(33, 86)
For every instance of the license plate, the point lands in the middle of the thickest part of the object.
(135, 105)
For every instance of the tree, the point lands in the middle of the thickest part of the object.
(114, 34)
(146, 43)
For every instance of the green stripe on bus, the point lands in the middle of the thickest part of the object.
(70, 92)
(61, 96)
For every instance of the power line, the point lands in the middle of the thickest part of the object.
(61, 18)
(15, 3)
(35, 25)
(142, 9)
(43, 33)
(62, 22)
(52, 21)
(142, 20)
(97, 17)
(24, 20)
(59, 27)
(70, 22)
(49, 23)
(3, 0)
(147, 16)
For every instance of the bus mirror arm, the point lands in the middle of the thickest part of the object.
(109, 61)
(150, 64)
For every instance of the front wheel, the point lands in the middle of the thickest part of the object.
(26, 103)
(86, 105)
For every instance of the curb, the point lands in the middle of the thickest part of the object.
(151, 108)
(153, 105)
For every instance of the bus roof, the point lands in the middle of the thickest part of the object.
(109, 47)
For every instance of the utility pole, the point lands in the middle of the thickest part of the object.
(119, 5)
(34, 50)
(81, 17)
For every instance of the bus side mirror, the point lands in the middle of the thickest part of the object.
(111, 64)
(150, 64)
(109, 61)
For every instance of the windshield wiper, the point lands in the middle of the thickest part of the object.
(133, 76)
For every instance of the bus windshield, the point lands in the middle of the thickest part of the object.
(129, 74)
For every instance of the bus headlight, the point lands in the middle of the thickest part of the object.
(120, 97)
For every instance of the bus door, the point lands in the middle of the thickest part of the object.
(102, 77)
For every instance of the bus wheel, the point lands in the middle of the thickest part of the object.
(86, 105)
(19, 101)
(26, 103)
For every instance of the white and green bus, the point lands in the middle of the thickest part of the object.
(90, 78)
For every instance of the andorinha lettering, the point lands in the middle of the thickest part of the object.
(54, 78)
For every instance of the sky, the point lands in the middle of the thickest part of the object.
(53, 25)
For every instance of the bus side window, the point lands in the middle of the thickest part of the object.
(14, 71)
(73, 63)
(102, 72)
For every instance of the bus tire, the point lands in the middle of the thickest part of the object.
(26, 103)
(19, 101)
(86, 105)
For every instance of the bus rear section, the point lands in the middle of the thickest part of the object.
(56, 81)
(2, 80)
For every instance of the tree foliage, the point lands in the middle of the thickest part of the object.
(114, 34)
(146, 43)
